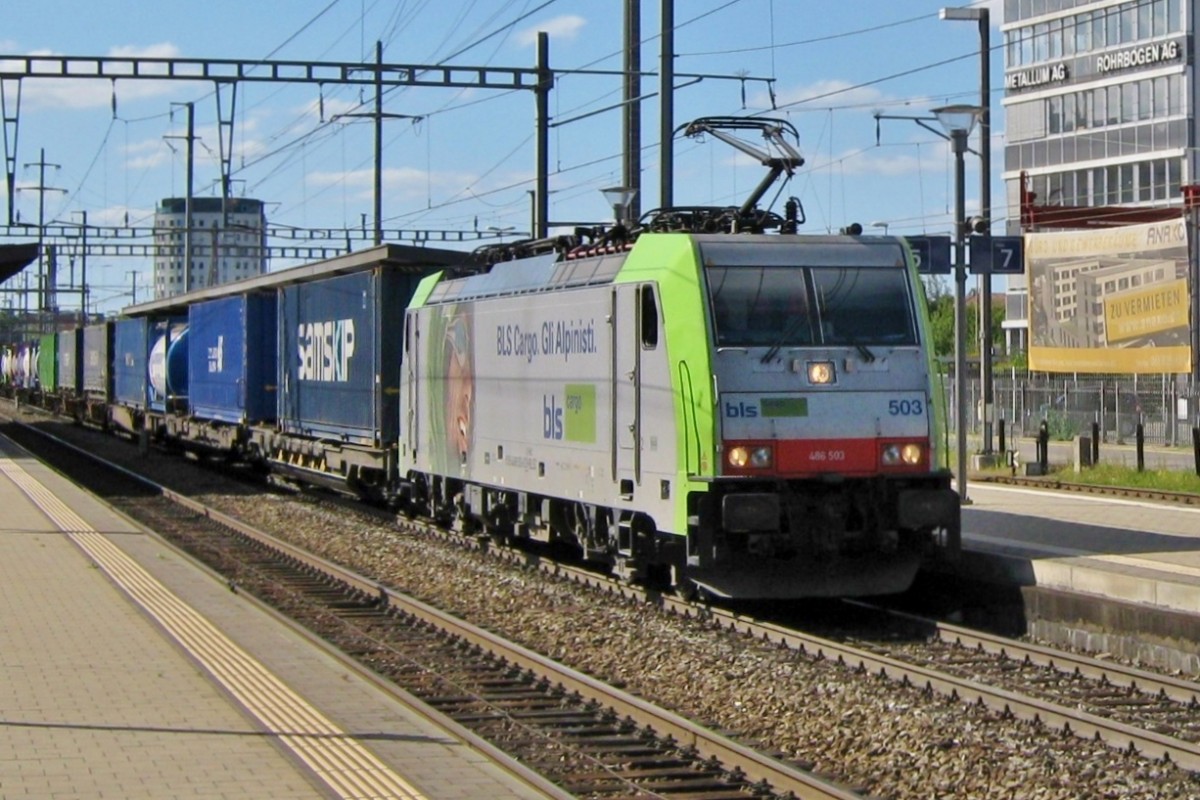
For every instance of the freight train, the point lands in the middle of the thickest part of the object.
(712, 402)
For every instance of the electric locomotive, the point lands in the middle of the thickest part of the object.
(739, 413)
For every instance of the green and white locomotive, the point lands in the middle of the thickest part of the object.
(748, 415)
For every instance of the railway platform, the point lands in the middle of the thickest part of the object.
(1102, 573)
(128, 671)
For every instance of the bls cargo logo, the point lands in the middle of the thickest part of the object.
(325, 350)
(741, 410)
(574, 417)
(770, 407)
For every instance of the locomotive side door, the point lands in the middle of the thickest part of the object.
(626, 394)
(411, 370)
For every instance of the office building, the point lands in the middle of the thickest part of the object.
(228, 243)
(1099, 97)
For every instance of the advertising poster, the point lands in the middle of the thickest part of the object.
(1110, 301)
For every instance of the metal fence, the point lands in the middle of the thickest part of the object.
(1166, 407)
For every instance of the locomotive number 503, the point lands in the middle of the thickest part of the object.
(905, 408)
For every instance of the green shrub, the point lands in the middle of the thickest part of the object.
(1112, 475)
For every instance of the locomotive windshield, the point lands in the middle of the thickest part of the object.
(803, 306)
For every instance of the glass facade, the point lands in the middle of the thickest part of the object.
(1098, 100)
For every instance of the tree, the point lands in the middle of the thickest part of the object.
(941, 317)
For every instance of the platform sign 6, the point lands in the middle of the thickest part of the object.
(932, 254)
(997, 255)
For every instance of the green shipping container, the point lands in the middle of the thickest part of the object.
(47, 366)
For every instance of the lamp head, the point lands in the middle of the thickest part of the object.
(619, 198)
(619, 195)
(957, 117)
(963, 13)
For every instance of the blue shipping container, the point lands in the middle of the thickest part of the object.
(131, 348)
(339, 364)
(231, 359)
(97, 359)
(70, 361)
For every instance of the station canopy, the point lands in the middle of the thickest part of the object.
(15, 257)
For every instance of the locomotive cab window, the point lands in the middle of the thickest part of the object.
(649, 316)
(864, 306)
(759, 306)
(796, 306)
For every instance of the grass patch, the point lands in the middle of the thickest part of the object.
(1112, 475)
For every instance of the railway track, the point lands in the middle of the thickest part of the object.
(593, 740)
(1130, 710)
(1128, 492)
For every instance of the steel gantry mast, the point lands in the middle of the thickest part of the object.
(230, 72)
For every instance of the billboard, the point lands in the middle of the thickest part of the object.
(1110, 301)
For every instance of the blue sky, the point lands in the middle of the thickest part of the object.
(469, 162)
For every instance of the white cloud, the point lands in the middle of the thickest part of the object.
(871, 163)
(160, 50)
(147, 154)
(118, 216)
(159, 151)
(406, 181)
(824, 94)
(564, 28)
(325, 109)
(74, 93)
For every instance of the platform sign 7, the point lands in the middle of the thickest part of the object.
(932, 254)
(997, 255)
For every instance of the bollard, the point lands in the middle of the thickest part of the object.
(1000, 432)
(1095, 443)
(1043, 448)
(1083, 453)
(1141, 448)
(1196, 448)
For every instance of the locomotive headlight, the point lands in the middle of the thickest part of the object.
(821, 372)
(761, 457)
(908, 454)
(742, 457)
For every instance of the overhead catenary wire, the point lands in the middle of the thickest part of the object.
(402, 12)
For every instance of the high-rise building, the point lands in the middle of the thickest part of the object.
(228, 243)
(1099, 97)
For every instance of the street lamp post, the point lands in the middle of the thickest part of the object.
(883, 225)
(983, 17)
(958, 120)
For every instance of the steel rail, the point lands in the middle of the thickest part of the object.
(1116, 734)
(1177, 689)
(782, 777)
